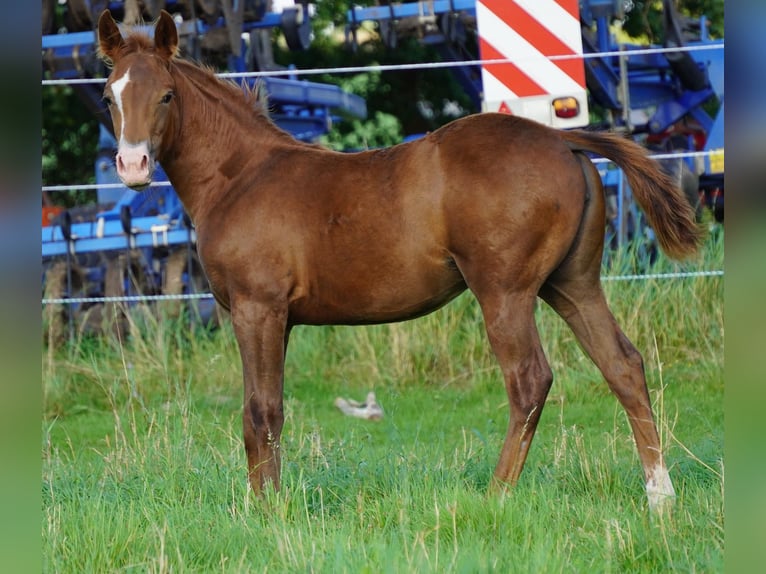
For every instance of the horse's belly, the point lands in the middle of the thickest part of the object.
(379, 295)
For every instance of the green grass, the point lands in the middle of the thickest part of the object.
(144, 468)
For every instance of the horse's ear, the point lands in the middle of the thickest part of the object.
(166, 36)
(109, 38)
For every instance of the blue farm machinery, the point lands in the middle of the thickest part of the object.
(131, 249)
(560, 62)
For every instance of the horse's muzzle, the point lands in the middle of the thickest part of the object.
(135, 165)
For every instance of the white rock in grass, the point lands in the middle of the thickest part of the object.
(369, 409)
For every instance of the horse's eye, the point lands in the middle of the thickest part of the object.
(107, 100)
(166, 98)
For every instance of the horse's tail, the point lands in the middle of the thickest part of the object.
(668, 210)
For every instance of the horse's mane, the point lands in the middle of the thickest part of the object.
(250, 103)
(135, 42)
(254, 96)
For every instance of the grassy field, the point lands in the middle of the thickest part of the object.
(144, 468)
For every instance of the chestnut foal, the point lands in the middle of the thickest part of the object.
(291, 233)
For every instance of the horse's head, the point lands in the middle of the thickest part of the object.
(140, 95)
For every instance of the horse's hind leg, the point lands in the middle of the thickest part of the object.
(574, 291)
(513, 335)
(584, 308)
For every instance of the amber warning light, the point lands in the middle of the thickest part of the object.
(567, 107)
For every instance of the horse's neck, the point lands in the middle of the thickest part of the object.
(216, 136)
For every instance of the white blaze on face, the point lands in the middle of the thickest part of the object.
(134, 163)
(118, 86)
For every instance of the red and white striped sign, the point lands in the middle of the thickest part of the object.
(528, 32)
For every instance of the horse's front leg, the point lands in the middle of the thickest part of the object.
(262, 332)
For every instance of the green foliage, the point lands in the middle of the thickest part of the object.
(143, 464)
(69, 142)
(379, 130)
(645, 17)
(712, 9)
(382, 130)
